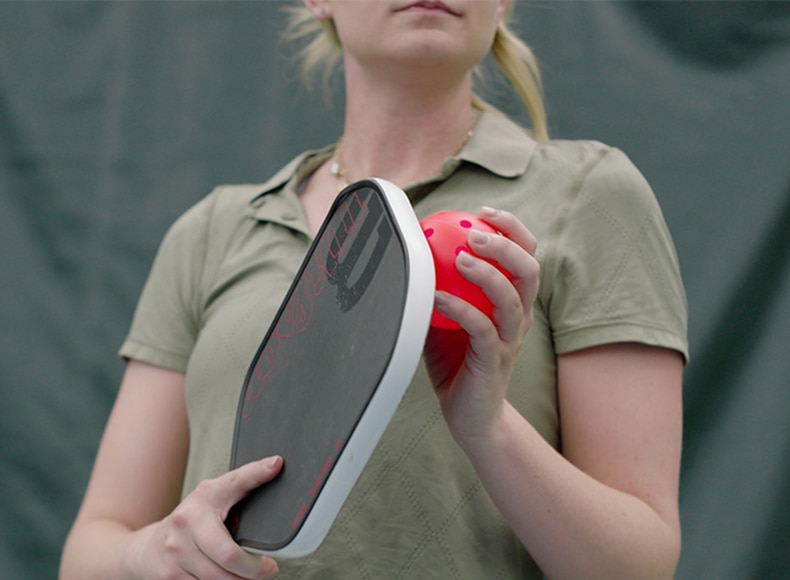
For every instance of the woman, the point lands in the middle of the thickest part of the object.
(477, 477)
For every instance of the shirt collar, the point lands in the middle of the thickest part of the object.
(497, 144)
(273, 203)
(299, 166)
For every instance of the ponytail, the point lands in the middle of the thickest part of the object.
(518, 63)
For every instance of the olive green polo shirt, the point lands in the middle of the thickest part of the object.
(609, 273)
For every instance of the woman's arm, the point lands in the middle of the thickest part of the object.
(605, 507)
(131, 524)
(608, 506)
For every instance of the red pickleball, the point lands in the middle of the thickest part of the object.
(448, 234)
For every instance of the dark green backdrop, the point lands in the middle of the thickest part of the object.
(116, 116)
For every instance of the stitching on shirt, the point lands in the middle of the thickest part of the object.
(385, 471)
(202, 288)
(551, 260)
(353, 548)
(465, 499)
(591, 303)
(429, 535)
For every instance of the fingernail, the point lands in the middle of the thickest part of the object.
(487, 211)
(465, 259)
(478, 237)
(273, 461)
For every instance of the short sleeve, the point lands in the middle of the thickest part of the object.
(167, 318)
(614, 274)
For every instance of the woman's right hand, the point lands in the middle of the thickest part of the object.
(193, 541)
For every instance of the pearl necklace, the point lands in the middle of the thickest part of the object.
(337, 169)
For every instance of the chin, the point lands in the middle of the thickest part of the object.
(438, 48)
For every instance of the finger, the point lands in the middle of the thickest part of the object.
(227, 490)
(212, 538)
(480, 334)
(510, 227)
(509, 306)
(507, 254)
(468, 317)
(230, 561)
(203, 566)
(225, 558)
(522, 268)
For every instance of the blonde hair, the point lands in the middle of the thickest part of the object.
(322, 53)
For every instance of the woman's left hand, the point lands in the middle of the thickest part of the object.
(470, 368)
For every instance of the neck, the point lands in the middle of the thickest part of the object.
(402, 131)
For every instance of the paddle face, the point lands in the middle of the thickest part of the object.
(332, 367)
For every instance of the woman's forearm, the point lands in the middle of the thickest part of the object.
(573, 525)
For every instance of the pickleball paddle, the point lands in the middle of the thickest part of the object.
(333, 367)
